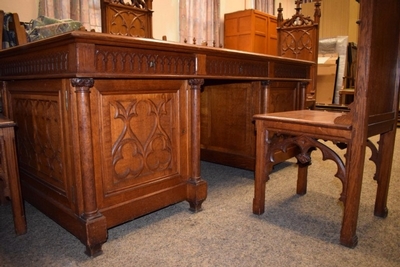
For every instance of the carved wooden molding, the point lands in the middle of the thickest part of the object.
(307, 144)
(233, 67)
(82, 82)
(283, 70)
(299, 19)
(147, 154)
(35, 64)
(135, 61)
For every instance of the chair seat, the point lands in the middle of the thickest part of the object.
(320, 124)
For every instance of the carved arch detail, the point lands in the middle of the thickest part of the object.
(280, 142)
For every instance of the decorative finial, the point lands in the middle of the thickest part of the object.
(317, 12)
(280, 15)
(280, 9)
(298, 6)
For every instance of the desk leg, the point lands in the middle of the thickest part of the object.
(94, 222)
(197, 187)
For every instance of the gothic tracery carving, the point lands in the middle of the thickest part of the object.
(133, 154)
(307, 145)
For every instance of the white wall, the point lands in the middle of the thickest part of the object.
(229, 6)
(165, 19)
(288, 8)
(26, 9)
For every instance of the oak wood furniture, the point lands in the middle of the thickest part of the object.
(127, 19)
(228, 132)
(373, 112)
(109, 126)
(9, 177)
(250, 30)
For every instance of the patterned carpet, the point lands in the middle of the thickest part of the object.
(294, 230)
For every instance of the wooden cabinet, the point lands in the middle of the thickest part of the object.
(251, 30)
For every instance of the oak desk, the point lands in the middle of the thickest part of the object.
(109, 126)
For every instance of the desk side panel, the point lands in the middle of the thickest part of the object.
(37, 108)
(141, 144)
(140, 138)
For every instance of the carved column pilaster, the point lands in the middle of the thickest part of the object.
(82, 90)
(95, 223)
(197, 188)
(265, 95)
(302, 95)
(195, 85)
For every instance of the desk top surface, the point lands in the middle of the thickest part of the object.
(100, 55)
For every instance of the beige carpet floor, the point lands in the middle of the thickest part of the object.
(294, 231)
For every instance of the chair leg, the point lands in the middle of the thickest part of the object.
(3, 199)
(302, 178)
(383, 172)
(354, 175)
(260, 173)
(14, 182)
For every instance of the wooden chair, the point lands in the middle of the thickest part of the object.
(15, 25)
(298, 37)
(9, 178)
(128, 19)
(373, 112)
